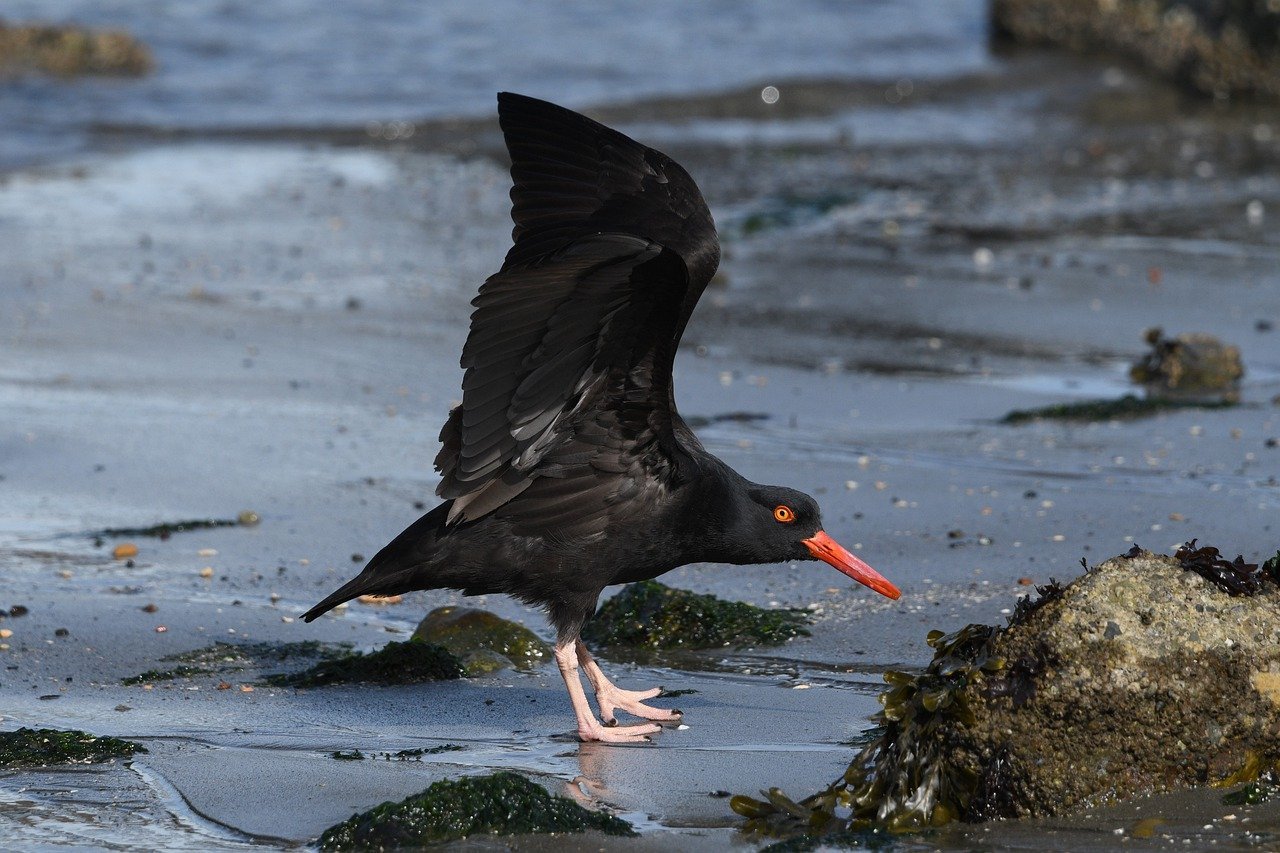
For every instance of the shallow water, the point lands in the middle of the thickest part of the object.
(237, 63)
(191, 329)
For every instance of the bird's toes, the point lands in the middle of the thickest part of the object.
(619, 734)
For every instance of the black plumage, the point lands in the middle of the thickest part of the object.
(567, 468)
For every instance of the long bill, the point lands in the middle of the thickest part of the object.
(829, 551)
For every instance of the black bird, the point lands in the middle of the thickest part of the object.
(567, 468)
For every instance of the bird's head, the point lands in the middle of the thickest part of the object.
(776, 524)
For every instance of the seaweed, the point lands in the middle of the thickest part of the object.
(1264, 789)
(501, 803)
(410, 662)
(650, 615)
(1235, 577)
(901, 780)
(1128, 407)
(28, 748)
(225, 658)
(352, 755)
(166, 529)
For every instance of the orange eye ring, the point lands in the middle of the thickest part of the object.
(784, 514)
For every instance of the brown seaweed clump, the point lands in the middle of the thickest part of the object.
(71, 51)
(1215, 48)
(1189, 366)
(1140, 676)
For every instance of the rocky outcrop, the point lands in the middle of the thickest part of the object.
(1148, 673)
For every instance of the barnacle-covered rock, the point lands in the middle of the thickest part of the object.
(1148, 673)
(68, 51)
(1189, 366)
(1215, 48)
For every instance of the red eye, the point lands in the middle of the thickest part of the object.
(784, 513)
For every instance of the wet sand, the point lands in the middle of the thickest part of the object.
(197, 326)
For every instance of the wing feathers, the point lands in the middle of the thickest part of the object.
(567, 384)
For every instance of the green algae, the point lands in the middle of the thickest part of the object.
(221, 659)
(484, 641)
(501, 803)
(649, 615)
(1128, 407)
(28, 748)
(350, 755)
(410, 662)
(1264, 790)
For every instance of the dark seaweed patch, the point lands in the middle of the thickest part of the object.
(1127, 407)
(650, 615)
(26, 748)
(498, 804)
(352, 755)
(226, 658)
(165, 530)
(410, 662)
(1234, 577)
(1026, 605)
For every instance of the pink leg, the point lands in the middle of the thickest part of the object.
(589, 728)
(611, 697)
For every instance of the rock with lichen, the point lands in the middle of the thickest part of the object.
(501, 803)
(1146, 674)
(1216, 47)
(1189, 366)
(71, 51)
(483, 641)
(650, 615)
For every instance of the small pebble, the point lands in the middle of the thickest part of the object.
(248, 518)
(5, 633)
(124, 551)
(207, 552)
(150, 608)
(286, 619)
(380, 599)
(160, 629)
(1025, 581)
(61, 632)
(224, 685)
(246, 688)
(206, 572)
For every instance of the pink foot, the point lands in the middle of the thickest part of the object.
(595, 731)
(611, 698)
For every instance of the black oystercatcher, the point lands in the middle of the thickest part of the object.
(567, 468)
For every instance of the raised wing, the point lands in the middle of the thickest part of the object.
(574, 176)
(613, 245)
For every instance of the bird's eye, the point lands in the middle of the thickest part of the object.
(784, 513)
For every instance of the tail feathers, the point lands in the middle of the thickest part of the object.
(367, 583)
(395, 569)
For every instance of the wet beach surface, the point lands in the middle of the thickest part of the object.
(204, 322)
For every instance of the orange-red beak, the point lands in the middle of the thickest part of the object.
(830, 551)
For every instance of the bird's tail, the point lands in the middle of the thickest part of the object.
(391, 571)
